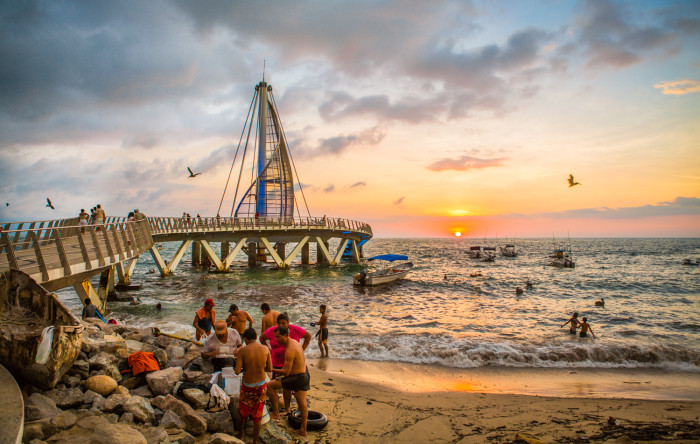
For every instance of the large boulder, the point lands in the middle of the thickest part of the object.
(116, 345)
(134, 346)
(218, 421)
(39, 407)
(223, 438)
(143, 391)
(64, 420)
(197, 398)
(80, 368)
(271, 433)
(161, 356)
(67, 398)
(175, 351)
(155, 435)
(194, 423)
(102, 384)
(134, 381)
(164, 341)
(161, 382)
(98, 430)
(182, 438)
(90, 398)
(172, 423)
(140, 408)
(114, 402)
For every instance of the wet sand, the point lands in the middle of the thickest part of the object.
(380, 402)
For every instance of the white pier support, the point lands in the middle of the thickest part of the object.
(168, 268)
(86, 292)
(126, 271)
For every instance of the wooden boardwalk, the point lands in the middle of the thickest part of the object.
(58, 254)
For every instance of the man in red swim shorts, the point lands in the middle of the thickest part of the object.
(255, 359)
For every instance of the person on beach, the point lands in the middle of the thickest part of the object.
(269, 317)
(574, 323)
(237, 319)
(204, 319)
(295, 378)
(585, 328)
(255, 359)
(222, 347)
(323, 331)
(90, 310)
(278, 350)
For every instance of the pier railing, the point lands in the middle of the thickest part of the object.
(49, 250)
(167, 225)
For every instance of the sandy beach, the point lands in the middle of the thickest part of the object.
(379, 402)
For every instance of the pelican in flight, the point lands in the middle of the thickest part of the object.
(49, 204)
(192, 174)
(571, 180)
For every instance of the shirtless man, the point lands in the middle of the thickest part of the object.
(585, 328)
(296, 377)
(237, 319)
(269, 317)
(254, 358)
(323, 331)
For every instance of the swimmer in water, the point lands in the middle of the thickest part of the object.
(585, 328)
(528, 284)
(574, 323)
(518, 290)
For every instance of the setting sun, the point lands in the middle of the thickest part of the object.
(458, 234)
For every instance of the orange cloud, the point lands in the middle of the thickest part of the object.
(679, 87)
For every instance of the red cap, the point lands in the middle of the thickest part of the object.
(210, 302)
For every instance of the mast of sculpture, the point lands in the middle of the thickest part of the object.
(272, 192)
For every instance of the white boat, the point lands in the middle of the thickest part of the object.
(561, 258)
(386, 274)
(488, 254)
(690, 262)
(474, 252)
(509, 251)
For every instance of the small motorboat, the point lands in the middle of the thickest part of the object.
(386, 274)
(474, 252)
(689, 262)
(26, 310)
(488, 254)
(562, 259)
(509, 251)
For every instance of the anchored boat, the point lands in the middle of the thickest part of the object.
(509, 251)
(561, 258)
(474, 252)
(387, 274)
(26, 310)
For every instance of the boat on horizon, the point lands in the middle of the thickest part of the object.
(384, 275)
(474, 252)
(562, 258)
(488, 254)
(29, 315)
(509, 251)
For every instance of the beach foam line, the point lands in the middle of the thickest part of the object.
(646, 384)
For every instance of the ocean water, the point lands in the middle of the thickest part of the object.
(441, 315)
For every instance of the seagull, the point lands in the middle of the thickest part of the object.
(7, 204)
(49, 204)
(192, 174)
(571, 181)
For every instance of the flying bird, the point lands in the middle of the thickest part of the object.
(571, 181)
(49, 204)
(7, 204)
(192, 174)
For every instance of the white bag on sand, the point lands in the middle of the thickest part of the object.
(222, 399)
(45, 343)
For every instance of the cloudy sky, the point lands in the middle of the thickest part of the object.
(422, 118)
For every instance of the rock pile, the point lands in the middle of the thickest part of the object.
(99, 401)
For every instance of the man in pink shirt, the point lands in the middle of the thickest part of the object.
(277, 351)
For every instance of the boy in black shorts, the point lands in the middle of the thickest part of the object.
(323, 332)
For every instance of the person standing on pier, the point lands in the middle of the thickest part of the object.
(269, 317)
(204, 318)
(237, 319)
(138, 215)
(83, 220)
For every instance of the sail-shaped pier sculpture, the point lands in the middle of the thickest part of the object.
(265, 221)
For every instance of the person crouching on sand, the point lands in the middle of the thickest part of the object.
(295, 376)
(204, 319)
(585, 328)
(255, 359)
(222, 347)
(574, 323)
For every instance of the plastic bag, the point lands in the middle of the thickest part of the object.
(45, 343)
(222, 399)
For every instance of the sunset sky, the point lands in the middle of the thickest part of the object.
(421, 118)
